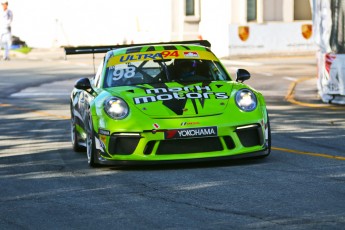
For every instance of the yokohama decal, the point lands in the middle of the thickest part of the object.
(191, 133)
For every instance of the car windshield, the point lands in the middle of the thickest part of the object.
(164, 70)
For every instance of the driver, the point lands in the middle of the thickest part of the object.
(184, 68)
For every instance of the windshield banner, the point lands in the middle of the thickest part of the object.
(158, 55)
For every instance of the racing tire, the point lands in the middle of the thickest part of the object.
(268, 150)
(91, 151)
(74, 136)
(268, 137)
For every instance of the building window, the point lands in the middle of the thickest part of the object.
(251, 10)
(192, 10)
(302, 10)
(273, 10)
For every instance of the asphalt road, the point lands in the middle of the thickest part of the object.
(45, 185)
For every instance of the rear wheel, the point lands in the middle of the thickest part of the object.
(74, 135)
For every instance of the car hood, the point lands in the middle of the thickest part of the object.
(177, 100)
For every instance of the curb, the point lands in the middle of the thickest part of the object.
(291, 97)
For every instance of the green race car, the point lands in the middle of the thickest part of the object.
(166, 102)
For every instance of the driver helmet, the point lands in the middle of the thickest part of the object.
(185, 68)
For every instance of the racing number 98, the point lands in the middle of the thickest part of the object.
(130, 71)
(126, 73)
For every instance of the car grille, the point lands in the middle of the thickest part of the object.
(250, 136)
(122, 145)
(183, 146)
(125, 145)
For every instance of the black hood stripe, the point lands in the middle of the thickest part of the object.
(170, 47)
(186, 47)
(151, 48)
(133, 50)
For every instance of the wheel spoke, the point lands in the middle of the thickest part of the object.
(89, 141)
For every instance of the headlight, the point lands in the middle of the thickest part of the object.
(246, 100)
(116, 108)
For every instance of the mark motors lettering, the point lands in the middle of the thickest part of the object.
(176, 96)
(178, 89)
(165, 94)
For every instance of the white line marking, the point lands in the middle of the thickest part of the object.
(266, 74)
(5, 83)
(39, 94)
(81, 64)
(290, 78)
(240, 63)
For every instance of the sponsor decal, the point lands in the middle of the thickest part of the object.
(167, 53)
(140, 57)
(166, 94)
(191, 133)
(103, 140)
(191, 54)
(99, 145)
(190, 123)
(104, 132)
(119, 61)
(150, 56)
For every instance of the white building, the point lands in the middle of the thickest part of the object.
(234, 27)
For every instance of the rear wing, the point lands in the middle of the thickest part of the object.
(69, 50)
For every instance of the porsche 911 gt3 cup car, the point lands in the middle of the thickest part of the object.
(166, 102)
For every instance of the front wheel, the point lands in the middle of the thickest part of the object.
(267, 140)
(90, 144)
(268, 136)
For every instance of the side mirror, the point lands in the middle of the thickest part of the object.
(242, 75)
(83, 84)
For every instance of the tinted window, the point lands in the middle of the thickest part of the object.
(160, 71)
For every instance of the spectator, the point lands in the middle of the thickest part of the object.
(5, 29)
